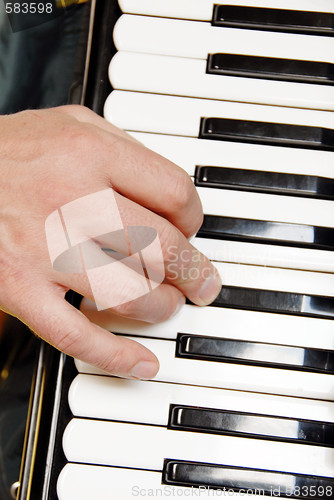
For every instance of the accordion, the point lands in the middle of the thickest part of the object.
(241, 96)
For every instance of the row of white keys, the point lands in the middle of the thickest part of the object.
(201, 10)
(123, 444)
(173, 37)
(282, 280)
(77, 481)
(121, 403)
(188, 77)
(85, 482)
(236, 324)
(162, 114)
(266, 255)
(188, 152)
(270, 207)
(112, 398)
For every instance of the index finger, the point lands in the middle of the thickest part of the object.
(158, 185)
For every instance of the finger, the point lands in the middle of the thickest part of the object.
(107, 318)
(167, 252)
(157, 184)
(110, 321)
(121, 283)
(154, 307)
(69, 330)
(127, 293)
(185, 267)
(144, 177)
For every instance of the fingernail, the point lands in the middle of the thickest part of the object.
(210, 288)
(179, 306)
(145, 370)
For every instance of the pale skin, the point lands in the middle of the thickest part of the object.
(51, 157)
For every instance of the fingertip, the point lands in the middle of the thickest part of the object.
(145, 370)
(209, 289)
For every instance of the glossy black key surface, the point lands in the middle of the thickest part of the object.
(254, 353)
(271, 68)
(264, 182)
(273, 483)
(274, 134)
(275, 233)
(276, 302)
(250, 425)
(293, 21)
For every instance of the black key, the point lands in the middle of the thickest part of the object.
(261, 482)
(254, 353)
(292, 21)
(189, 418)
(271, 68)
(275, 233)
(275, 302)
(274, 134)
(265, 182)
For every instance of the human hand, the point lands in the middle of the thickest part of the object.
(48, 158)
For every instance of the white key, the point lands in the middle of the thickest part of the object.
(127, 445)
(283, 280)
(174, 37)
(218, 321)
(188, 77)
(87, 482)
(163, 114)
(266, 255)
(201, 10)
(231, 376)
(188, 152)
(112, 398)
(268, 207)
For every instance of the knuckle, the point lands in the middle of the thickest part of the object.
(82, 142)
(76, 110)
(67, 341)
(28, 114)
(130, 309)
(181, 190)
(112, 362)
(82, 136)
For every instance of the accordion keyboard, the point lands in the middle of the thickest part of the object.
(241, 96)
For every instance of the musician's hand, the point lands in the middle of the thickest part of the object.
(49, 158)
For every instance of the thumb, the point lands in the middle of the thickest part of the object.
(66, 328)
